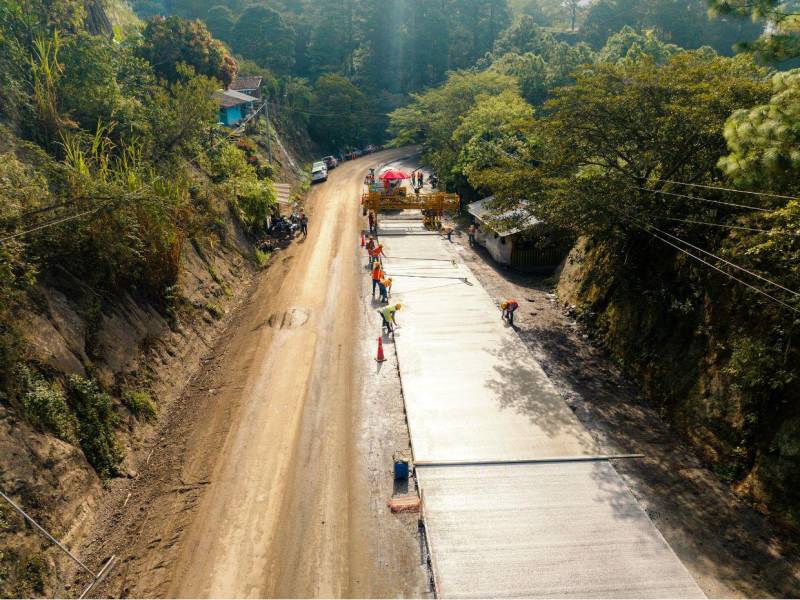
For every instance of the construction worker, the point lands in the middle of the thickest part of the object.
(370, 247)
(385, 287)
(303, 224)
(372, 224)
(509, 307)
(389, 315)
(376, 253)
(377, 275)
(471, 234)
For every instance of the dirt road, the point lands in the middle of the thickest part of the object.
(259, 485)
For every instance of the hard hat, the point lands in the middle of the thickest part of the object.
(398, 306)
(504, 305)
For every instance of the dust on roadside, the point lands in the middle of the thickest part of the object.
(393, 544)
(730, 549)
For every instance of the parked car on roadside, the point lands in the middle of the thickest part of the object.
(319, 172)
(330, 162)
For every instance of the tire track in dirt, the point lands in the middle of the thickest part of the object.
(243, 494)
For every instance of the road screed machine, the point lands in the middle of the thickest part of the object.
(388, 194)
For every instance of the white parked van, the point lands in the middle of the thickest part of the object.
(319, 172)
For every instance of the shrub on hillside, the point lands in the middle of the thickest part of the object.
(94, 410)
(45, 406)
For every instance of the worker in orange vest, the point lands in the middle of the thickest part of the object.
(376, 253)
(377, 275)
(385, 288)
(509, 307)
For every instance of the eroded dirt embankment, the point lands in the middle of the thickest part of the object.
(124, 344)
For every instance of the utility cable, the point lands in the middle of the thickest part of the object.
(727, 262)
(50, 224)
(733, 204)
(286, 109)
(716, 268)
(706, 223)
(724, 189)
(647, 228)
(94, 210)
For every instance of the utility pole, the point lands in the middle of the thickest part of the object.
(269, 133)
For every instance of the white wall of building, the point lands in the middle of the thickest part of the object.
(498, 247)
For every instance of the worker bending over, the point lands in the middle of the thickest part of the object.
(389, 316)
(385, 288)
(509, 307)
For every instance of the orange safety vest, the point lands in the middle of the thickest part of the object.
(377, 274)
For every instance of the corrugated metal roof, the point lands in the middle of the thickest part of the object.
(282, 192)
(230, 98)
(481, 210)
(247, 83)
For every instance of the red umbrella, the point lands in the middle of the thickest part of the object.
(392, 174)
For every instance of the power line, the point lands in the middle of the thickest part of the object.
(50, 224)
(716, 268)
(278, 107)
(727, 262)
(70, 202)
(647, 228)
(724, 189)
(716, 224)
(698, 198)
(94, 210)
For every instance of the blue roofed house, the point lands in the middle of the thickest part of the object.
(233, 106)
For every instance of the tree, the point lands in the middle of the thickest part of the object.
(172, 41)
(782, 19)
(332, 38)
(220, 21)
(88, 90)
(262, 35)
(538, 61)
(572, 7)
(685, 23)
(499, 140)
(177, 116)
(337, 108)
(764, 141)
(627, 45)
(432, 117)
(524, 35)
(621, 127)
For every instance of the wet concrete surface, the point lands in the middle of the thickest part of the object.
(730, 549)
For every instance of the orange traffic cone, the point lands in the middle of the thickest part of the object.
(380, 357)
(362, 239)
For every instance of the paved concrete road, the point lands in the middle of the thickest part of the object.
(475, 394)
